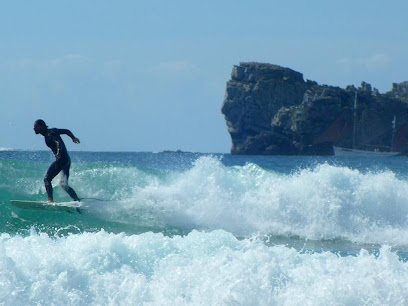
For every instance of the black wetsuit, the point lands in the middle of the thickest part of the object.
(54, 141)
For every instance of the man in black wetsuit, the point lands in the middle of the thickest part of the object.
(62, 161)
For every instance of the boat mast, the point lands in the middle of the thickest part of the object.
(393, 133)
(354, 120)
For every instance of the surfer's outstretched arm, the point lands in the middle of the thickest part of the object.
(69, 133)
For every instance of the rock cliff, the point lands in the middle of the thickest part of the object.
(271, 110)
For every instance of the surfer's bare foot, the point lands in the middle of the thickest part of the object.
(50, 200)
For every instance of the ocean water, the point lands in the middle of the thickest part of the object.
(206, 229)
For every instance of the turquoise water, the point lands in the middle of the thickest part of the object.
(200, 229)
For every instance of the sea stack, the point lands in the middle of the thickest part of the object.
(272, 110)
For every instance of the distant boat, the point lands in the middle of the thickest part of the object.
(341, 151)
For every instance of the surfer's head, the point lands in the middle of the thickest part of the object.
(40, 126)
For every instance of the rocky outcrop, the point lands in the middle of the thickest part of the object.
(271, 110)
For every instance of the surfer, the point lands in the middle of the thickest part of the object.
(62, 160)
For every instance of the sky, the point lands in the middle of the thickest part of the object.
(151, 75)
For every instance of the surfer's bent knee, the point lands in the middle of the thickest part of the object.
(47, 181)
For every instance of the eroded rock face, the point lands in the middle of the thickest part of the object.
(271, 110)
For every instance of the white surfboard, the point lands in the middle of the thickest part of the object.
(73, 206)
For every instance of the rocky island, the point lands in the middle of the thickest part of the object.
(272, 110)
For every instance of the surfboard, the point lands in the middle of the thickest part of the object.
(44, 205)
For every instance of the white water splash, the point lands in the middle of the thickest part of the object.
(199, 269)
(326, 202)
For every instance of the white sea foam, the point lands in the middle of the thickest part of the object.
(325, 202)
(209, 266)
(201, 268)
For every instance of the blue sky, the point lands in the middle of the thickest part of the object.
(151, 75)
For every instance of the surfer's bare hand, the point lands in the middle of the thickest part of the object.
(58, 155)
(76, 140)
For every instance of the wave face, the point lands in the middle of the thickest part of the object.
(320, 201)
(195, 229)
